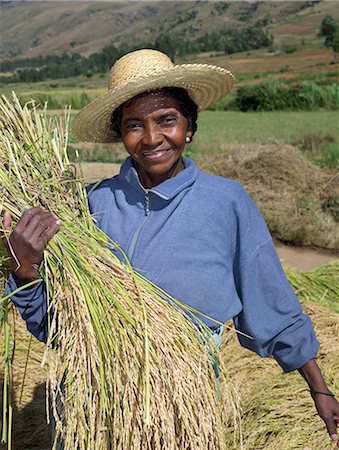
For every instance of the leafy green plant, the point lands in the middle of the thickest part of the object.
(330, 156)
(274, 96)
(288, 49)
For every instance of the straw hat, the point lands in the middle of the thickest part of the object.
(145, 70)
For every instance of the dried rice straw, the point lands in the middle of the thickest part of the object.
(277, 409)
(127, 370)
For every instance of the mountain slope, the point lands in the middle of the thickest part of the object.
(32, 28)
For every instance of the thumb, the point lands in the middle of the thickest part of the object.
(332, 430)
(7, 221)
(335, 439)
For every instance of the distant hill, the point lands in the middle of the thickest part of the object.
(33, 28)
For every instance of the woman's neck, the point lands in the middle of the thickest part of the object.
(152, 179)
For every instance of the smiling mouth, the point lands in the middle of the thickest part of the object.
(154, 153)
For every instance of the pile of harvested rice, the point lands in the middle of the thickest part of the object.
(126, 368)
(299, 201)
(320, 284)
(277, 409)
(28, 389)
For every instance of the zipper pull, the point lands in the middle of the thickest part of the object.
(147, 204)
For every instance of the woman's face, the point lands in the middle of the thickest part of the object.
(154, 133)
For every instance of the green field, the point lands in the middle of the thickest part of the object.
(217, 130)
(56, 95)
(316, 133)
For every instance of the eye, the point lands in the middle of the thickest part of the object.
(132, 126)
(168, 120)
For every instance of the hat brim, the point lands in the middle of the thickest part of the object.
(205, 84)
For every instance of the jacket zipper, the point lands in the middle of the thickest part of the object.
(138, 230)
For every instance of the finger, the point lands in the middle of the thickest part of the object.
(44, 226)
(7, 221)
(28, 215)
(332, 429)
(35, 226)
(52, 230)
(42, 233)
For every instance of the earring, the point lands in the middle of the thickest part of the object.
(188, 139)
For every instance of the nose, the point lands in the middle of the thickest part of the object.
(152, 136)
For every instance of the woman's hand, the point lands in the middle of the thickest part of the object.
(29, 239)
(328, 410)
(327, 406)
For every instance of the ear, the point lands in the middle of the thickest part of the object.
(189, 134)
(189, 127)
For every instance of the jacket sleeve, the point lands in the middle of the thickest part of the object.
(32, 306)
(271, 313)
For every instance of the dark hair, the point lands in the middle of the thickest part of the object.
(186, 106)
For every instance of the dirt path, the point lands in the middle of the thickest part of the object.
(304, 258)
(92, 171)
(295, 257)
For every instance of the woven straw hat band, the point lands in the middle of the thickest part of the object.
(132, 67)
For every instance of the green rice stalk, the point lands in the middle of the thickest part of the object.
(126, 367)
(320, 285)
(25, 368)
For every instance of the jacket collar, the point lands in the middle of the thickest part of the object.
(166, 190)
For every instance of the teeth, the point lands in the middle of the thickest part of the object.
(153, 153)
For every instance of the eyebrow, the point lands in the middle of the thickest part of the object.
(164, 114)
(130, 119)
(173, 112)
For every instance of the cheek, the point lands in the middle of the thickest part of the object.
(178, 135)
(129, 142)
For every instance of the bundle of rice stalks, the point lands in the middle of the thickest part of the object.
(298, 200)
(127, 368)
(277, 409)
(320, 284)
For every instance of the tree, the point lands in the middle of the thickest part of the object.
(328, 29)
(335, 47)
(166, 44)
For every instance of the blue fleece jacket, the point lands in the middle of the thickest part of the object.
(201, 239)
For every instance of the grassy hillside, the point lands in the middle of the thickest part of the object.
(39, 28)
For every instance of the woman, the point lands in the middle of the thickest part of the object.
(197, 236)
